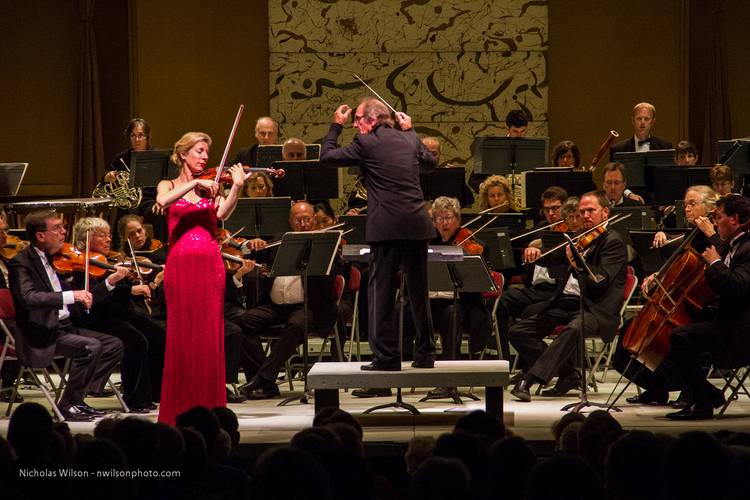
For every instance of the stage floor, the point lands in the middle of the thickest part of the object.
(263, 422)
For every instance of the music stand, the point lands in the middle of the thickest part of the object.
(447, 181)
(261, 217)
(670, 183)
(442, 253)
(639, 167)
(307, 253)
(499, 249)
(470, 276)
(270, 153)
(11, 177)
(358, 226)
(652, 258)
(537, 181)
(308, 180)
(147, 168)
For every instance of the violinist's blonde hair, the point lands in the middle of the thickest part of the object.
(493, 181)
(186, 142)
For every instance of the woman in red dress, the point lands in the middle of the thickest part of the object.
(194, 281)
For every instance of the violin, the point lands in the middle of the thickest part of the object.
(70, 259)
(585, 241)
(226, 239)
(464, 240)
(233, 260)
(562, 227)
(147, 267)
(226, 177)
(13, 245)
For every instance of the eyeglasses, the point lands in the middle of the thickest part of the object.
(445, 218)
(138, 137)
(554, 208)
(303, 220)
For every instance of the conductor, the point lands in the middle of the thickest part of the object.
(398, 226)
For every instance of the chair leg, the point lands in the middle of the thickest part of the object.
(735, 388)
(15, 390)
(118, 396)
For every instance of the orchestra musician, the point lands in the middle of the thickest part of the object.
(615, 183)
(131, 229)
(685, 154)
(607, 259)
(293, 150)
(643, 119)
(725, 336)
(259, 185)
(113, 312)
(566, 154)
(266, 132)
(516, 121)
(398, 227)
(700, 201)
(138, 133)
(541, 283)
(47, 313)
(495, 191)
(722, 179)
(282, 302)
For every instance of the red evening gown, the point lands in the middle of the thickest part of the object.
(194, 291)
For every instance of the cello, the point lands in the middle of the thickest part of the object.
(681, 290)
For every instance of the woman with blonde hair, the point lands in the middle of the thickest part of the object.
(495, 191)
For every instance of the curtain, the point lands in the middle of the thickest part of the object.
(89, 165)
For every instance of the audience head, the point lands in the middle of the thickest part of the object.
(267, 130)
(634, 467)
(138, 439)
(228, 421)
(552, 201)
(495, 191)
(259, 185)
(471, 450)
(328, 416)
(566, 154)
(481, 424)
(644, 118)
(598, 432)
(441, 478)
(685, 154)
(45, 230)
(420, 448)
(516, 121)
(138, 133)
(32, 436)
(699, 466)
(511, 463)
(293, 150)
(563, 477)
(302, 216)
(615, 181)
(289, 474)
(722, 179)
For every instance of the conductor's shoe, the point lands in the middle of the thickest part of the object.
(649, 398)
(72, 413)
(90, 410)
(564, 385)
(375, 392)
(379, 366)
(693, 412)
(522, 390)
(423, 363)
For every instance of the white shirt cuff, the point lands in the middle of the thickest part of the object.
(237, 283)
(627, 193)
(68, 297)
(109, 285)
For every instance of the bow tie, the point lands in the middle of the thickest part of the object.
(644, 141)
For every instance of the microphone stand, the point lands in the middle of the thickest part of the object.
(582, 270)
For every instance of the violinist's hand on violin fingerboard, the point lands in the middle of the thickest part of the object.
(118, 275)
(531, 254)
(238, 174)
(342, 114)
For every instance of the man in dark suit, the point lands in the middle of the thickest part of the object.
(46, 309)
(281, 302)
(607, 259)
(615, 184)
(726, 337)
(267, 132)
(644, 118)
(398, 226)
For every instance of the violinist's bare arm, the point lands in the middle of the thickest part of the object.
(167, 192)
(227, 204)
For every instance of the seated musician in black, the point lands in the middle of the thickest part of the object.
(607, 259)
(281, 302)
(113, 312)
(540, 279)
(699, 202)
(725, 337)
(48, 313)
(10, 368)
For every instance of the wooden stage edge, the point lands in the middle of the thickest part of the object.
(265, 423)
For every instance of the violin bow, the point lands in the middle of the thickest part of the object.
(233, 235)
(229, 142)
(373, 91)
(86, 267)
(138, 272)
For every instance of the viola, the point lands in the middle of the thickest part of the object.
(13, 245)
(464, 239)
